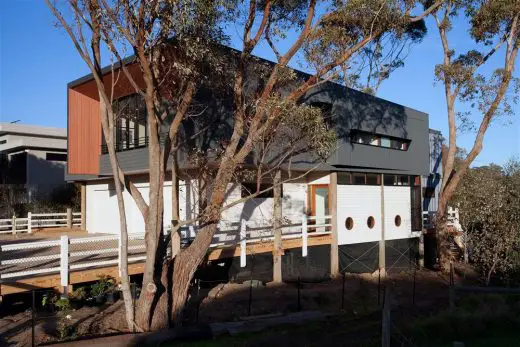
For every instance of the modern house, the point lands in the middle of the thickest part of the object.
(33, 157)
(367, 194)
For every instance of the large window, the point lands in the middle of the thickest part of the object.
(131, 130)
(371, 139)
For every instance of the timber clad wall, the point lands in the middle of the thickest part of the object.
(84, 134)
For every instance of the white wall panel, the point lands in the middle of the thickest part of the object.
(359, 203)
(397, 202)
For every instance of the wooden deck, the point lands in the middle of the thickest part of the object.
(18, 285)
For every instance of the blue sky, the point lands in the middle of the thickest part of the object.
(37, 60)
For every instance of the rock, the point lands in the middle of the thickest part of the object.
(215, 291)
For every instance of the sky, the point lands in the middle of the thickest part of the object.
(37, 60)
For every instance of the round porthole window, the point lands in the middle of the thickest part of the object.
(349, 223)
(397, 221)
(371, 222)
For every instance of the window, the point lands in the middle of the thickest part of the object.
(3, 142)
(251, 188)
(371, 139)
(344, 178)
(326, 112)
(130, 130)
(415, 202)
(359, 178)
(56, 156)
(398, 180)
(386, 142)
(373, 179)
(349, 223)
(371, 222)
(397, 221)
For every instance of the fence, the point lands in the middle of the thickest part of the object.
(16, 225)
(452, 217)
(67, 254)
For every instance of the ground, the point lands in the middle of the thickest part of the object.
(231, 302)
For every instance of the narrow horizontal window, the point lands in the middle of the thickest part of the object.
(371, 139)
(56, 156)
(2, 142)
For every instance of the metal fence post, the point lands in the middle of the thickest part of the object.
(243, 235)
(304, 236)
(33, 319)
(13, 224)
(69, 218)
(64, 262)
(343, 292)
(299, 294)
(29, 222)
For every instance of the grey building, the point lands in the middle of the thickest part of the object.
(33, 158)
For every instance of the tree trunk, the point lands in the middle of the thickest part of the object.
(107, 122)
(277, 226)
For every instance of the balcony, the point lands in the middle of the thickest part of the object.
(127, 144)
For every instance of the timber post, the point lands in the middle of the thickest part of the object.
(382, 245)
(13, 224)
(334, 249)
(64, 263)
(69, 218)
(29, 222)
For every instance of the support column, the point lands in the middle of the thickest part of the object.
(83, 206)
(382, 245)
(69, 218)
(277, 228)
(333, 202)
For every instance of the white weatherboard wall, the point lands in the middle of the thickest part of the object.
(397, 202)
(103, 213)
(359, 203)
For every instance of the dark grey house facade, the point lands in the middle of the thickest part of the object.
(367, 192)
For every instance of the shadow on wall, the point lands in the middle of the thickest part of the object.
(354, 110)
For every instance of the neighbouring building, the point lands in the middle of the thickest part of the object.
(370, 188)
(33, 158)
(432, 182)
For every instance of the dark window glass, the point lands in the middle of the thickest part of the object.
(403, 180)
(416, 211)
(17, 171)
(3, 142)
(131, 130)
(359, 178)
(373, 179)
(389, 180)
(56, 156)
(349, 223)
(344, 178)
(251, 188)
(368, 138)
(371, 222)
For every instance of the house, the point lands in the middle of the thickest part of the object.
(33, 158)
(368, 191)
(432, 182)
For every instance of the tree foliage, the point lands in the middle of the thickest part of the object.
(489, 205)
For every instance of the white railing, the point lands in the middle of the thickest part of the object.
(452, 218)
(15, 224)
(67, 254)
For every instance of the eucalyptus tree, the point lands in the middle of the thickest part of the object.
(479, 84)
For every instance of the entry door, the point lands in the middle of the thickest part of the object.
(320, 204)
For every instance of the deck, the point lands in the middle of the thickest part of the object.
(48, 261)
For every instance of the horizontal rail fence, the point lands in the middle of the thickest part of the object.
(67, 254)
(15, 224)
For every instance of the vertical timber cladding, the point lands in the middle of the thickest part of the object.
(84, 134)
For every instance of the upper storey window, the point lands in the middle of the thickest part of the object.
(130, 126)
(371, 139)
